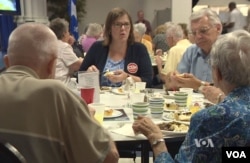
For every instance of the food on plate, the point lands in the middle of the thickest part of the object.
(184, 116)
(120, 90)
(173, 126)
(108, 112)
(105, 88)
(171, 106)
(108, 73)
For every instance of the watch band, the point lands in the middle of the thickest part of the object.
(157, 141)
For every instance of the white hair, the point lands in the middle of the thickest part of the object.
(175, 31)
(140, 28)
(210, 14)
(32, 44)
(231, 55)
(94, 30)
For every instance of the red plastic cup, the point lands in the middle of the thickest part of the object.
(87, 95)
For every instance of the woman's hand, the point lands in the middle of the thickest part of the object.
(147, 127)
(118, 76)
(212, 93)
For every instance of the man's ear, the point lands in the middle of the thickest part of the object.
(6, 61)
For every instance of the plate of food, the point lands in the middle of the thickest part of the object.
(112, 113)
(105, 89)
(183, 117)
(171, 107)
(118, 91)
(173, 127)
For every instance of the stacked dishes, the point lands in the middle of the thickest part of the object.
(139, 109)
(156, 106)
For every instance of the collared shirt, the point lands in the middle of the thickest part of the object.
(196, 62)
(47, 122)
(174, 55)
(225, 124)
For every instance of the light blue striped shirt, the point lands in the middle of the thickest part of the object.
(195, 61)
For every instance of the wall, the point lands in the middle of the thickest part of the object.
(97, 9)
(221, 2)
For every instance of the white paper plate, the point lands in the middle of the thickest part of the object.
(116, 113)
(116, 91)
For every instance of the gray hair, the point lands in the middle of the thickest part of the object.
(59, 26)
(140, 28)
(210, 14)
(32, 44)
(231, 55)
(175, 31)
(94, 30)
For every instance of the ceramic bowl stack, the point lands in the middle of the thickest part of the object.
(140, 108)
(180, 99)
(156, 106)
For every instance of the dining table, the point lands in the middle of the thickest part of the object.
(120, 125)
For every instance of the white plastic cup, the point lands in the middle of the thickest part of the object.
(137, 97)
(140, 86)
(189, 91)
(99, 111)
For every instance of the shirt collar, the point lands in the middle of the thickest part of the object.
(19, 69)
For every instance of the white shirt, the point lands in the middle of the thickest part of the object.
(238, 19)
(65, 58)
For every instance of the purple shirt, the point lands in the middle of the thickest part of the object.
(87, 43)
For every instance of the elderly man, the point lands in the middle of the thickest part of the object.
(194, 65)
(44, 120)
(175, 40)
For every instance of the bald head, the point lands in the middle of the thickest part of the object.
(32, 45)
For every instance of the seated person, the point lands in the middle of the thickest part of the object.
(223, 125)
(93, 33)
(42, 118)
(67, 61)
(77, 48)
(159, 39)
(206, 27)
(118, 53)
(139, 31)
(175, 40)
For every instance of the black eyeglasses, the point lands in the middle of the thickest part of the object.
(119, 25)
(201, 31)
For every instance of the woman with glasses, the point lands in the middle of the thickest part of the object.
(118, 53)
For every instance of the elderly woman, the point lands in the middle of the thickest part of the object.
(118, 53)
(222, 125)
(67, 61)
(139, 31)
(93, 33)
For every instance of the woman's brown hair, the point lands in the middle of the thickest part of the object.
(114, 14)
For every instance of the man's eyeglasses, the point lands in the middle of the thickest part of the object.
(119, 25)
(201, 31)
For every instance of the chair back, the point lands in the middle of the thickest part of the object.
(9, 154)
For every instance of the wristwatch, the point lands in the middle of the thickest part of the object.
(157, 141)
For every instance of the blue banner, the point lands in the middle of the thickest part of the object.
(73, 24)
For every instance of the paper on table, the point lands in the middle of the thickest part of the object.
(90, 79)
(127, 130)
